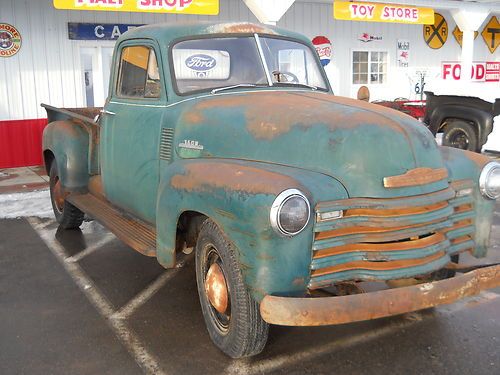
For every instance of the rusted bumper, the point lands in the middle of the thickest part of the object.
(289, 311)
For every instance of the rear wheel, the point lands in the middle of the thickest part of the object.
(231, 314)
(461, 134)
(67, 215)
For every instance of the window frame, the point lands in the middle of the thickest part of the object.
(369, 62)
(239, 35)
(117, 70)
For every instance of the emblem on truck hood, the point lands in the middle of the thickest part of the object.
(191, 145)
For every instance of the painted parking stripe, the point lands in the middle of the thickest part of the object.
(91, 249)
(135, 347)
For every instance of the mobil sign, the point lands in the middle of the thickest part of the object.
(481, 71)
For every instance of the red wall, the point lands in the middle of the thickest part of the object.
(21, 142)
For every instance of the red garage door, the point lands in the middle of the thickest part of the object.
(21, 142)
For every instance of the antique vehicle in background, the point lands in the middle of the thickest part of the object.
(413, 108)
(226, 138)
(465, 121)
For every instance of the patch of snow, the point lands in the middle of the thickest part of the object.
(36, 203)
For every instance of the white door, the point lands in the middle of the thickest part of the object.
(96, 67)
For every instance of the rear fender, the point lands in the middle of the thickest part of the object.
(69, 143)
(238, 195)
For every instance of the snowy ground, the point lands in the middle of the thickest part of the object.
(36, 203)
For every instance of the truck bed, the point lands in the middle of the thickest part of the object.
(88, 114)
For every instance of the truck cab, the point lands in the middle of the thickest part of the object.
(226, 138)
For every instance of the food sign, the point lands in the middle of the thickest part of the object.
(206, 7)
(377, 12)
(481, 71)
(323, 48)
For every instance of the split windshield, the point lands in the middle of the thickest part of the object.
(225, 63)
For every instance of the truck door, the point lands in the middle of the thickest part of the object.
(131, 124)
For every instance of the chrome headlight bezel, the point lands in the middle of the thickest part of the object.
(484, 177)
(277, 206)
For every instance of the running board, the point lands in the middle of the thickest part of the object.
(136, 234)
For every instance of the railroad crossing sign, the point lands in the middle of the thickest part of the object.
(459, 35)
(491, 34)
(436, 35)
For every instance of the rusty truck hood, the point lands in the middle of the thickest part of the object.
(355, 142)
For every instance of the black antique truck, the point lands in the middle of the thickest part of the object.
(465, 120)
(227, 138)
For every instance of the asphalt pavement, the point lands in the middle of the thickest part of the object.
(82, 302)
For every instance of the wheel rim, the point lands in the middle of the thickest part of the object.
(217, 290)
(58, 194)
(459, 140)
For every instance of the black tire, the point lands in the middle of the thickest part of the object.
(240, 330)
(67, 215)
(462, 135)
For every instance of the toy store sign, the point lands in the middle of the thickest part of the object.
(376, 12)
(481, 71)
(205, 7)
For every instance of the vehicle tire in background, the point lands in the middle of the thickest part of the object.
(231, 315)
(67, 215)
(462, 135)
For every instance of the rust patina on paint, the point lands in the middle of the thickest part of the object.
(269, 116)
(207, 175)
(374, 305)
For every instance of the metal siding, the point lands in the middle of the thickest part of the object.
(47, 69)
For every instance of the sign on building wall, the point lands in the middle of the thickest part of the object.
(206, 7)
(97, 31)
(436, 33)
(323, 48)
(377, 12)
(459, 35)
(10, 40)
(481, 71)
(491, 34)
(403, 53)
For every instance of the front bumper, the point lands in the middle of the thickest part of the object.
(288, 311)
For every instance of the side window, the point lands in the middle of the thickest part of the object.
(139, 75)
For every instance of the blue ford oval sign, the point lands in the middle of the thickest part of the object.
(201, 63)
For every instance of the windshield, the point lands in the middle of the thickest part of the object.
(225, 63)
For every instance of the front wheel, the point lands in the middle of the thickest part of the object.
(67, 215)
(231, 314)
(461, 134)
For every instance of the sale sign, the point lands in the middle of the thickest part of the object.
(481, 71)
(377, 12)
(205, 7)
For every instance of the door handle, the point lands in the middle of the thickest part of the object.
(105, 112)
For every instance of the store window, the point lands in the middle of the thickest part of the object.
(139, 76)
(369, 67)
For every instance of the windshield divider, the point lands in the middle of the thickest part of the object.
(263, 58)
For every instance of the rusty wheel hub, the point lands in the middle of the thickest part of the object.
(216, 288)
(58, 195)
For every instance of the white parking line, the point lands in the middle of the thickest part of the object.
(248, 367)
(82, 254)
(136, 348)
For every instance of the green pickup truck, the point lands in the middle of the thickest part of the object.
(227, 138)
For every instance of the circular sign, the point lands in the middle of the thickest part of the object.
(10, 40)
(436, 35)
(324, 48)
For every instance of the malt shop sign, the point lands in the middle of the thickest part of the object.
(205, 7)
(377, 12)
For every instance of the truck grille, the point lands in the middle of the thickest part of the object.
(383, 239)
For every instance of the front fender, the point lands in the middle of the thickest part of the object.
(466, 165)
(482, 119)
(238, 195)
(69, 143)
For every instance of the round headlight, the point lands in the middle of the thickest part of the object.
(489, 181)
(290, 212)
